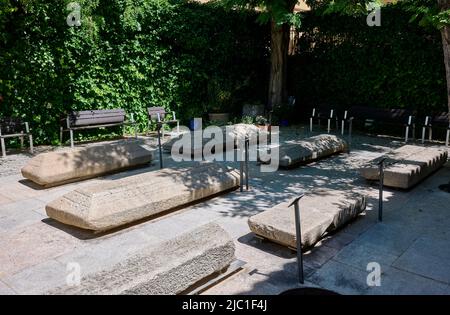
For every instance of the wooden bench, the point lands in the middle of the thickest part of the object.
(11, 128)
(319, 114)
(440, 121)
(89, 119)
(159, 115)
(383, 116)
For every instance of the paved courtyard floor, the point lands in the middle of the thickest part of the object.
(412, 244)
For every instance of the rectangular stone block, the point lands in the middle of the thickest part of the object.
(104, 206)
(407, 165)
(320, 212)
(230, 136)
(170, 267)
(60, 167)
(307, 150)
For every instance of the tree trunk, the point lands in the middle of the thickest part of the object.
(446, 46)
(445, 32)
(279, 46)
(278, 73)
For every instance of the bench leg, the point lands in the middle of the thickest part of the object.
(178, 127)
(61, 135)
(342, 127)
(406, 134)
(430, 133)
(30, 137)
(447, 138)
(310, 124)
(71, 138)
(2, 140)
(329, 125)
(21, 140)
(423, 134)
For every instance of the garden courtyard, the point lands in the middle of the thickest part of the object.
(410, 244)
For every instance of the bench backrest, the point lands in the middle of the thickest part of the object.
(325, 112)
(154, 111)
(10, 125)
(441, 119)
(380, 114)
(96, 117)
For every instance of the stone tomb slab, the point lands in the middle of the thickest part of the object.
(320, 212)
(407, 165)
(60, 167)
(230, 134)
(101, 207)
(304, 151)
(170, 267)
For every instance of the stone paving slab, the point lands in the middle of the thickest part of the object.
(398, 282)
(341, 278)
(407, 165)
(30, 245)
(59, 167)
(320, 211)
(115, 203)
(427, 257)
(388, 239)
(171, 267)
(6, 290)
(4, 199)
(38, 278)
(359, 255)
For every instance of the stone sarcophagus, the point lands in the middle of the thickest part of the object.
(310, 149)
(170, 267)
(60, 167)
(114, 203)
(407, 165)
(320, 212)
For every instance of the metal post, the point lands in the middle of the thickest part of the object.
(407, 128)
(380, 198)
(22, 140)
(30, 136)
(133, 123)
(247, 144)
(350, 126)
(159, 126)
(329, 121)
(241, 174)
(447, 138)
(71, 138)
(311, 120)
(2, 141)
(424, 129)
(241, 167)
(298, 235)
(343, 123)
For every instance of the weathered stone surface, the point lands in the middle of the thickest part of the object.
(104, 206)
(407, 165)
(167, 268)
(56, 168)
(320, 212)
(310, 149)
(231, 134)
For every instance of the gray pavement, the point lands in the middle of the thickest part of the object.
(410, 245)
